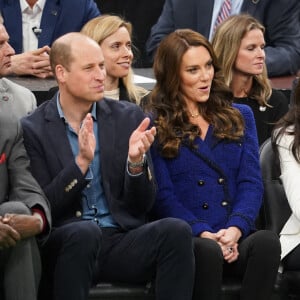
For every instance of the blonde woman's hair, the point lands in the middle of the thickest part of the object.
(226, 43)
(99, 29)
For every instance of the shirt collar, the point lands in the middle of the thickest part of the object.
(24, 5)
(62, 115)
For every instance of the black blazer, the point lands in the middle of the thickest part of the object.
(53, 164)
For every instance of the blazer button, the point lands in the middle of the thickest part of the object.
(221, 180)
(78, 214)
(205, 206)
(224, 203)
(201, 182)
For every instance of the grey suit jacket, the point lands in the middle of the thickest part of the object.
(17, 183)
(16, 99)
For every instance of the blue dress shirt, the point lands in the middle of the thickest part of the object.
(94, 203)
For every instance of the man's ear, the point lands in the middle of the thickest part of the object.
(61, 73)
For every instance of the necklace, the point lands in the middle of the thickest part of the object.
(195, 115)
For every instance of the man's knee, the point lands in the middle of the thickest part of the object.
(84, 234)
(177, 232)
(14, 207)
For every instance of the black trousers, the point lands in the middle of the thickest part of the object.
(257, 266)
(79, 254)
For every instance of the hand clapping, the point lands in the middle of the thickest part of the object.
(140, 141)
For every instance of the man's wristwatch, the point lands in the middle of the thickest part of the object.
(137, 165)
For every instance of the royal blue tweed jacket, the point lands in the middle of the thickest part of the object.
(215, 186)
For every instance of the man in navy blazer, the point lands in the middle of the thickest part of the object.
(280, 18)
(90, 156)
(57, 18)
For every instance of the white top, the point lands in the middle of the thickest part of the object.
(113, 94)
(31, 20)
(290, 176)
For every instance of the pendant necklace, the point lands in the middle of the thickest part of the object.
(195, 115)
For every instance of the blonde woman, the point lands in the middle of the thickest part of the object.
(113, 34)
(239, 45)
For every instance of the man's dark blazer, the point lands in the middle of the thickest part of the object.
(59, 17)
(280, 18)
(53, 164)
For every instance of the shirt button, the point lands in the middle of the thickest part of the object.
(88, 186)
(201, 182)
(205, 206)
(78, 214)
(224, 203)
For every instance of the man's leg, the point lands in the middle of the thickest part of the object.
(22, 269)
(161, 250)
(69, 258)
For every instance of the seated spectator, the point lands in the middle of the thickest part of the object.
(24, 214)
(19, 100)
(280, 18)
(113, 34)
(33, 25)
(90, 155)
(240, 47)
(207, 170)
(286, 140)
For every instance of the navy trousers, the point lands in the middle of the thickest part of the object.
(81, 253)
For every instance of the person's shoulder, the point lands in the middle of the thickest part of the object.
(15, 87)
(286, 138)
(85, 5)
(121, 111)
(120, 105)
(38, 114)
(277, 97)
(245, 110)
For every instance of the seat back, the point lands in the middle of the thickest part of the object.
(294, 84)
(275, 205)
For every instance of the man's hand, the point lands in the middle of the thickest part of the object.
(8, 235)
(25, 225)
(86, 143)
(35, 62)
(140, 141)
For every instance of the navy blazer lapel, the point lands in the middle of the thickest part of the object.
(204, 19)
(106, 124)
(204, 152)
(56, 133)
(12, 16)
(48, 22)
(249, 6)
